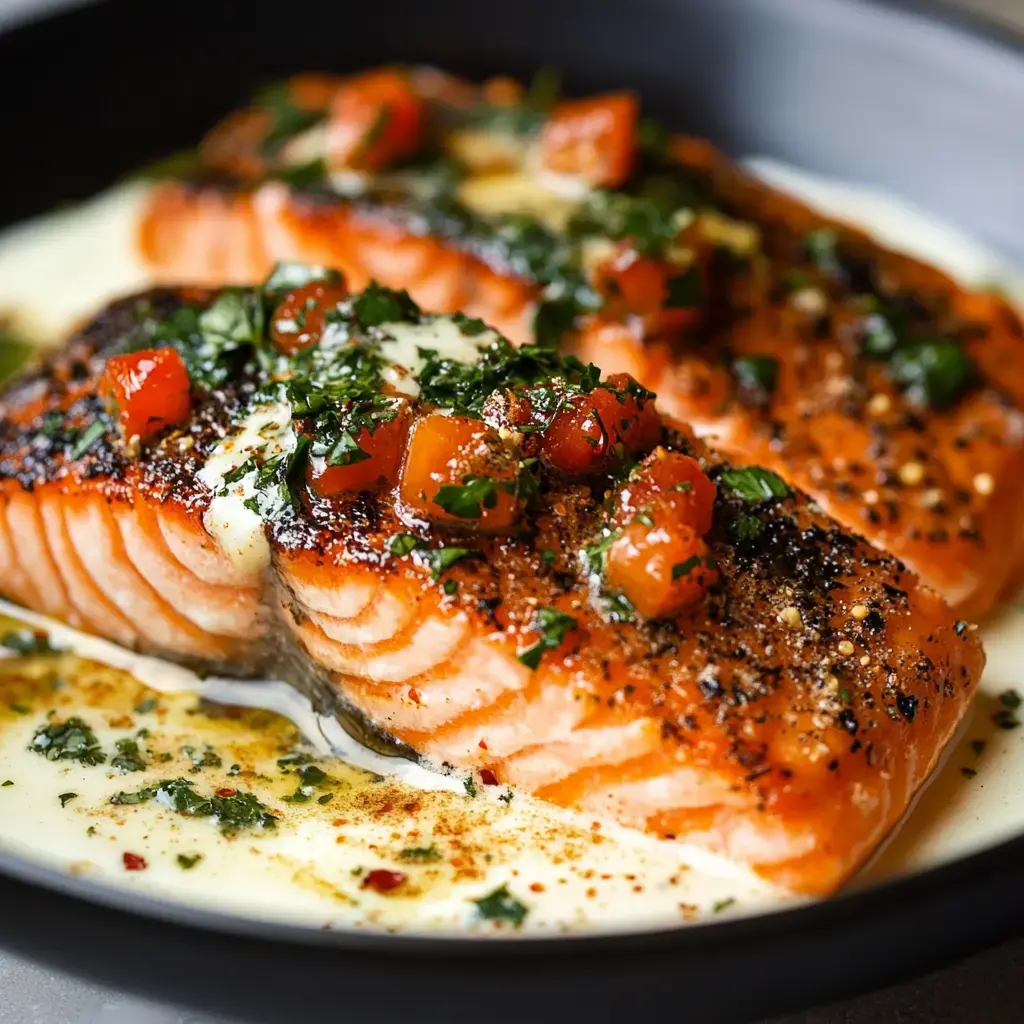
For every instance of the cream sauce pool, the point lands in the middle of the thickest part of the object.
(461, 862)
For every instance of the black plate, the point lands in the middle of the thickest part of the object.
(889, 93)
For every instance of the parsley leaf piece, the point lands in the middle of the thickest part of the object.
(128, 758)
(501, 905)
(553, 627)
(934, 373)
(87, 438)
(685, 568)
(440, 560)
(756, 373)
(233, 319)
(755, 484)
(747, 527)
(685, 291)
(402, 544)
(187, 861)
(28, 641)
(286, 118)
(72, 740)
(468, 499)
(595, 553)
(288, 275)
(66, 798)
(378, 305)
(420, 854)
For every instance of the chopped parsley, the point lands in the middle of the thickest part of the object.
(468, 499)
(232, 813)
(87, 438)
(72, 740)
(681, 569)
(756, 373)
(66, 798)
(144, 707)
(207, 757)
(377, 305)
(286, 119)
(501, 905)
(28, 641)
(403, 544)
(553, 627)
(187, 861)
(719, 905)
(440, 560)
(128, 758)
(747, 527)
(754, 484)
(420, 854)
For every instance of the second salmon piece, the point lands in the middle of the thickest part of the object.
(868, 379)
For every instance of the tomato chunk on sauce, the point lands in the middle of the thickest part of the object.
(378, 466)
(376, 118)
(299, 321)
(592, 139)
(591, 432)
(458, 470)
(148, 391)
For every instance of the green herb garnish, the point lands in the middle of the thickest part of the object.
(72, 740)
(128, 758)
(553, 627)
(66, 798)
(420, 854)
(754, 484)
(233, 813)
(501, 905)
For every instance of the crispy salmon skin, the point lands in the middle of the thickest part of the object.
(867, 379)
(489, 555)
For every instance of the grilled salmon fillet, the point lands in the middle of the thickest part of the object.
(483, 554)
(866, 378)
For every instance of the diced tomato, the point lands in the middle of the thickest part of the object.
(632, 283)
(591, 432)
(458, 470)
(148, 390)
(133, 862)
(661, 569)
(635, 285)
(676, 480)
(385, 447)
(592, 139)
(298, 322)
(382, 880)
(376, 118)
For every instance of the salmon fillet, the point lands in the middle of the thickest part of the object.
(866, 378)
(781, 705)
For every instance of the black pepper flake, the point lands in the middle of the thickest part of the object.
(906, 704)
(977, 746)
(968, 773)
(874, 622)
(848, 720)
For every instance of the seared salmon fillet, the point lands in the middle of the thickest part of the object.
(486, 555)
(866, 378)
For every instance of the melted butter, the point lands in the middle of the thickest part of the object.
(569, 872)
(404, 343)
(265, 432)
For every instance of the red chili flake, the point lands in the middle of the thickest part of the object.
(382, 880)
(482, 745)
(226, 792)
(487, 777)
(133, 862)
(414, 695)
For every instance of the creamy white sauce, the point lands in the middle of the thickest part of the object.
(238, 530)
(569, 871)
(58, 269)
